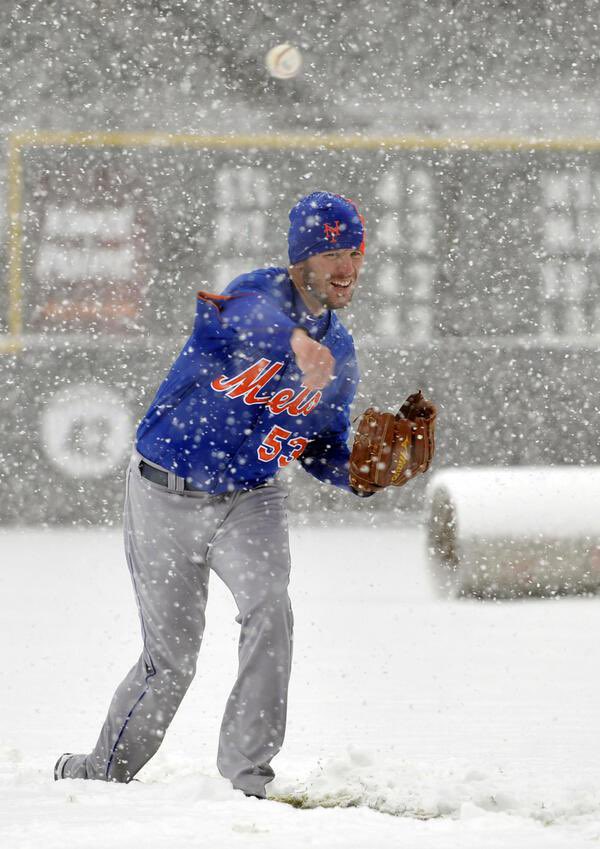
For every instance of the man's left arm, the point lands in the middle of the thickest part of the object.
(327, 458)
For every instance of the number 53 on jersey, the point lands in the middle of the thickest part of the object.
(277, 443)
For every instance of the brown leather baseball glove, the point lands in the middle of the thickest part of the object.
(390, 449)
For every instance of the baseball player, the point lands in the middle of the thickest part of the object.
(267, 377)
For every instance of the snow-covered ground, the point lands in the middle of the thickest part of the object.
(414, 722)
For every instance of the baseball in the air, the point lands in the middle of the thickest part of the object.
(283, 61)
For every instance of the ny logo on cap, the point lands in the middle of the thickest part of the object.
(332, 233)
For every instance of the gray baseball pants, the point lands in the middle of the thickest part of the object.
(172, 541)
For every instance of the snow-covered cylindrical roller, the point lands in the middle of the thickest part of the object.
(502, 532)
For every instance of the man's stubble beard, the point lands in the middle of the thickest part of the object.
(322, 297)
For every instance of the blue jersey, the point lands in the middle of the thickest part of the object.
(233, 411)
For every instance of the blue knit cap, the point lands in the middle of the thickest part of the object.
(322, 222)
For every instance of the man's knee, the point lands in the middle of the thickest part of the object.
(170, 673)
(271, 613)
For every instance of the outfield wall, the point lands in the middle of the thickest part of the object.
(482, 286)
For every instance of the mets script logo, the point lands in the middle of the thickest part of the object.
(251, 382)
(332, 233)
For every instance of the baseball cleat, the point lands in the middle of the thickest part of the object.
(60, 765)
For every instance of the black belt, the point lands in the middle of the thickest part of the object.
(158, 476)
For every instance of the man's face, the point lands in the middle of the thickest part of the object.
(328, 280)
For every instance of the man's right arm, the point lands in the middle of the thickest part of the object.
(260, 325)
(314, 360)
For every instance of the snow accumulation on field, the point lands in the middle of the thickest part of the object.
(413, 722)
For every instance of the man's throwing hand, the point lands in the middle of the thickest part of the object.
(314, 360)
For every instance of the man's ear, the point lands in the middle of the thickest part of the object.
(295, 272)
